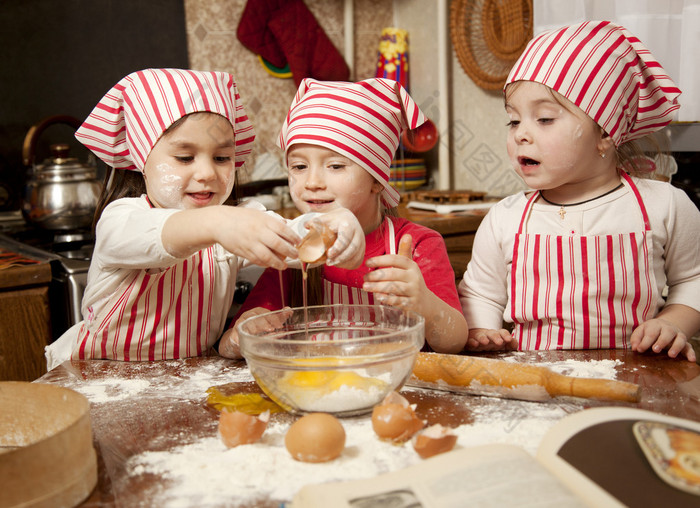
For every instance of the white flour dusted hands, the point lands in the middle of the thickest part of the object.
(397, 279)
(348, 250)
(261, 238)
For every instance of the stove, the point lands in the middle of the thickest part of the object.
(68, 252)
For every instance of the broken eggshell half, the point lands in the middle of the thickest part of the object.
(434, 440)
(395, 420)
(317, 241)
(237, 428)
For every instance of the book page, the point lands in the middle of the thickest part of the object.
(596, 453)
(483, 476)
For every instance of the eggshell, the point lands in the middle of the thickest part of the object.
(314, 245)
(433, 440)
(316, 437)
(395, 420)
(236, 428)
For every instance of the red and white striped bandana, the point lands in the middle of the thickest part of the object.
(128, 121)
(362, 121)
(607, 72)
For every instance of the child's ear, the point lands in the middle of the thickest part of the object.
(377, 187)
(605, 143)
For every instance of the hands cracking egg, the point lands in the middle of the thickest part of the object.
(314, 245)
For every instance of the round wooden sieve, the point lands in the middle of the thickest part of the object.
(46, 453)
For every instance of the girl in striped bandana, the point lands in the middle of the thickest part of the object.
(167, 250)
(339, 140)
(581, 261)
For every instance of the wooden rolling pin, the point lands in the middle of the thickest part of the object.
(484, 376)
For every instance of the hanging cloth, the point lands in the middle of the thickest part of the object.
(285, 32)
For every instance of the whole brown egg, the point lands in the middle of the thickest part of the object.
(316, 437)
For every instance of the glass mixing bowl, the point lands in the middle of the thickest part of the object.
(338, 359)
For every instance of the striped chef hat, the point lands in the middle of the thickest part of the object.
(362, 121)
(605, 71)
(128, 121)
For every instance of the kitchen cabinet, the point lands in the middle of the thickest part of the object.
(25, 326)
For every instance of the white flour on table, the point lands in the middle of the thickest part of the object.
(206, 473)
(601, 369)
(190, 383)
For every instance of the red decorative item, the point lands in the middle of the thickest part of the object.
(421, 139)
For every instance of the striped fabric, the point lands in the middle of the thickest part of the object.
(605, 71)
(362, 121)
(168, 314)
(130, 118)
(581, 292)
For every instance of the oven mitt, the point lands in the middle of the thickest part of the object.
(285, 32)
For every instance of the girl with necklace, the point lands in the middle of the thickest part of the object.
(582, 261)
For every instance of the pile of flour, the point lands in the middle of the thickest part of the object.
(206, 473)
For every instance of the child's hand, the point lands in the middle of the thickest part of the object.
(257, 236)
(660, 334)
(348, 250)
(397, 281)
(273, 321)
(482, 339)
(229, 345)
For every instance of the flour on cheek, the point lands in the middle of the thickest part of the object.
(577, 133)
(293, 193)
(228, 180)
(165, 186)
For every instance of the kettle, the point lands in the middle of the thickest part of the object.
(61, 193)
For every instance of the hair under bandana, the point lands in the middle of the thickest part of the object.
(128, 121)
(362, 121)
(605, 71)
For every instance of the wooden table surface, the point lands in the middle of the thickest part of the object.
(151, 407)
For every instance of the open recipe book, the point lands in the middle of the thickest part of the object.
(597, 457)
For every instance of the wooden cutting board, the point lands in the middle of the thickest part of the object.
(46, 454)
(485, 376)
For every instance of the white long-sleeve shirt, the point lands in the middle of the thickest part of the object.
(675, 224)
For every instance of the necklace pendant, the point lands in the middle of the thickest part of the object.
(561, 212)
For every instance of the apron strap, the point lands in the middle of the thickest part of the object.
(640, 202)
(390, 242)
(528, 206)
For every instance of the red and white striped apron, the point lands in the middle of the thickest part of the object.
(162, 314)
(334, 292)
(581, 292)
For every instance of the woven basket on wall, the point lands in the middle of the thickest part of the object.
(489, 36)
